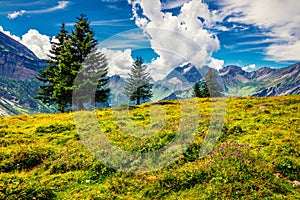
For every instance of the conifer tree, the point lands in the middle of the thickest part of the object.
(49, 76)
(92, 80)
(67, 56)
(83, 41)
(138, 86)
(200, 89)
(214, 84)
(196, 90)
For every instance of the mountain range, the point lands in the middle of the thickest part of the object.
(262, 82)
(19, 67)
(237, 82)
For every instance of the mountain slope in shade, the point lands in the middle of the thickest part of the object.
(18, 86)
(17, 61)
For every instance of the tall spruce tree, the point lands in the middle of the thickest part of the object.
(67, 56)
(138, 87)
(50, 90)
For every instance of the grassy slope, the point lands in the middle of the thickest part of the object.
(257, 156)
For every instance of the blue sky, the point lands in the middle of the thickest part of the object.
(167, 33)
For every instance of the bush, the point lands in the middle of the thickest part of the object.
(55, 128)
(226, 132)
(289, 169)
(100, 171)
(25, 158)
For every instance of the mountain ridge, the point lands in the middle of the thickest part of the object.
(267, 81)
(19, 67)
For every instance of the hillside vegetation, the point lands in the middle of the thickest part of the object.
(18, 96)
(257, 156)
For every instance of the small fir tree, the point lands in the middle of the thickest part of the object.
(138, 86)
(200, 89)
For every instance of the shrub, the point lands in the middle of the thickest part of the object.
(25, 158)
(100, 171)
(289, 169)
(55, 128)
(226, 132)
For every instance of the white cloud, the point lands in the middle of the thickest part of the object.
(132, 39)
(249, 67)
(283, 52)
(61, 5)
(15, 14)
(119, 61)
(9, 34)
(39, 44)
(276, 18)
(177, 39)
(216, 64)
(169, 4)
(112, 22)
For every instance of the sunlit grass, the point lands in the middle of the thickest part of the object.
(256, 157)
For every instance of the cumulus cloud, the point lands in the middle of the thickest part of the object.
(177, 39)
(216, 64)
(119, 61)
(61, 5)
(39, 44)
(249, 67)
(276, 18)
(169, 4)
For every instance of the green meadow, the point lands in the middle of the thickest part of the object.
(256, 156)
